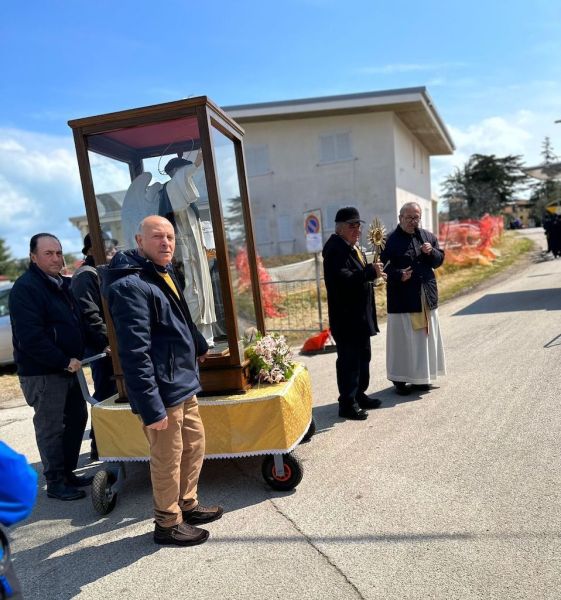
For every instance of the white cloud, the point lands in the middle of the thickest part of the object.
(519, 133)
(39, 188)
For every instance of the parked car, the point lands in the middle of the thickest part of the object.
(6, 348)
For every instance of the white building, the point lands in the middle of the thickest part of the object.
(371, 150)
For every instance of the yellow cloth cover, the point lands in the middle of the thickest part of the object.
(268, 419)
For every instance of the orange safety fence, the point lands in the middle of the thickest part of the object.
(269, 295)
(470, 241)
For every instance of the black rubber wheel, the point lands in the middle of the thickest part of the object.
(103, 498)
(310, 432)
(293, 473)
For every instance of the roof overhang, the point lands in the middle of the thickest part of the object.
(549, 172)
(412, 105)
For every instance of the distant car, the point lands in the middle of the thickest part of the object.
(6, 348)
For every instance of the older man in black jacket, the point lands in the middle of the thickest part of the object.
(352, 312)
(414, 350)
(48, 347)
(159, 348)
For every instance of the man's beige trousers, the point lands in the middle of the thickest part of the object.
(176, 458)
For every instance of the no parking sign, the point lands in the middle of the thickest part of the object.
(312, 228)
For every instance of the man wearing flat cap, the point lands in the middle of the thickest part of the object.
(352, 312)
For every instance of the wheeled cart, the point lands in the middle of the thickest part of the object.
(268, 420)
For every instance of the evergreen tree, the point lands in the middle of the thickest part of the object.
(5, 256)
(234, 224)
(483, 185)
(544, 192)
(8, 266)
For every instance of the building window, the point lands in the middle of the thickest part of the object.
(284, 223)
(257, 157)
(334, 147)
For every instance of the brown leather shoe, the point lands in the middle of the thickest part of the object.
(202, 514)
(180, 535)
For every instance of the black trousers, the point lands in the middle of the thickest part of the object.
(353, 367)
(60, 420)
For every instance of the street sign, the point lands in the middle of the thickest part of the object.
(312, 228)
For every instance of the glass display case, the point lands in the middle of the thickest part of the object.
(182, 160)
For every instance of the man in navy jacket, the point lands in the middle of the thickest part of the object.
(160, 347)
(352, 312)
(48, 346)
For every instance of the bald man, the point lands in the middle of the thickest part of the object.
(160, 347)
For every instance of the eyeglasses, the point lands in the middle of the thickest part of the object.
(412, 219)
(354, 225)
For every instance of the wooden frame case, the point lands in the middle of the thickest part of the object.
(133, 136)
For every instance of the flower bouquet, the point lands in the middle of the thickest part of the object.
(270, 359)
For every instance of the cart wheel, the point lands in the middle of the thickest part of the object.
(293, 473)
(310, 432)
(103, 498)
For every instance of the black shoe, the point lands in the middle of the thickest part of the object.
(59, 490)
(368, 403)
(78, 480)
(353, 413)
(180, 535)
(202, 514)
(401, 388)
(422, 387)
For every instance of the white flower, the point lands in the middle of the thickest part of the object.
(271, 358)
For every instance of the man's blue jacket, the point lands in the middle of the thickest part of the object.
(46, 324)
(158, 342)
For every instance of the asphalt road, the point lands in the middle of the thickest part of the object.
(450, 494)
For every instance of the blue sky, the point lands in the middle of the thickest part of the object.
(493, 70)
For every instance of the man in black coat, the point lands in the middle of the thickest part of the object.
(48, 347)
(85, 288)
(414, 350)
(352, 312)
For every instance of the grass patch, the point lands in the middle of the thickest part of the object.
(287, 259)
(454, 280)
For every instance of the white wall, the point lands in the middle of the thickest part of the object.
(298, 181)
(412, 173)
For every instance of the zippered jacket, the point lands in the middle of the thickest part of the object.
(46, 324)
(158, 343)
(404, 250)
